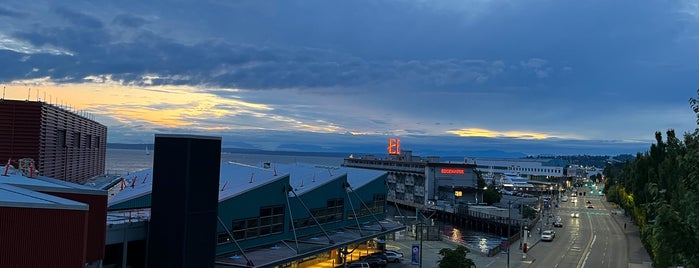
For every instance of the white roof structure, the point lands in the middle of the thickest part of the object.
(134, 185)
(41, 183)
(12, 196)
(237, 178)
(306, 177)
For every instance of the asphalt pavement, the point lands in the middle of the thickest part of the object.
(638, 257)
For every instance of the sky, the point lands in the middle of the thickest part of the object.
(452, 77)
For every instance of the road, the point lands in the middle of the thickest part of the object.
(592, 240)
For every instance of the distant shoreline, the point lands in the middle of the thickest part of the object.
(236, 150)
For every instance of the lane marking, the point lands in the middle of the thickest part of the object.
(588, 253)
(587, 248)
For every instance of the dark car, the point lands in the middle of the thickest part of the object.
(381, 255)
(374, 261)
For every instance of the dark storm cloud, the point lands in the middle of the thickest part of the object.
(538, 65)
(11, 13)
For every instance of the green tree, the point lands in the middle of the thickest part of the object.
(528, 212)
(455, 258)
(491, 195)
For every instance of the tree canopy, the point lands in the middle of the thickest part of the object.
(455, 258)
(659, 190)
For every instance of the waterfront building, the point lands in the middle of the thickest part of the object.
(269, 215)
(530, 168)
(422, 183)
(55, 142)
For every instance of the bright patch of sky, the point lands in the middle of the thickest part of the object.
(283, 74)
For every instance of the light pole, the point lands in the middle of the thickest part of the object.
(509, 220)
(509, 224)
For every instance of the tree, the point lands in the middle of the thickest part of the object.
(455, 258)
(491, 195)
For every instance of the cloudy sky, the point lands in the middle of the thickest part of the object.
(446, 77)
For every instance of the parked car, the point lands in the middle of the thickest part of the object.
(548, 235)
(381, 255)
(394, 256)
(359, 265)
(374, 261)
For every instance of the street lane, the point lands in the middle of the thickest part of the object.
(592, 240)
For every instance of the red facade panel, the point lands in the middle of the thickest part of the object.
(20, 122)
(34, 237)
(96, 222)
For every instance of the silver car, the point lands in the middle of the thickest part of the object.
(548, 235)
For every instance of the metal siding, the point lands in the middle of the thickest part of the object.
(30, 129)
(42, 237)
(19, 130)
(97, 220)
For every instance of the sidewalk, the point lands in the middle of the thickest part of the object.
(637, 254)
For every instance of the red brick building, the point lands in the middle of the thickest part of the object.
(62, 144)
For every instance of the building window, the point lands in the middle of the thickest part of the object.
(376, 206)
(61, 138)
(88, 141)
(270, 221)
(333, 212)
(76, 139)
(223, 238)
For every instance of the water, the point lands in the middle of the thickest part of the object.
(125, 161)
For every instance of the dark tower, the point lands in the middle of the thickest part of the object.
(184, 202)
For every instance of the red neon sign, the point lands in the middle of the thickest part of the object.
(393, 146)
(452, 171)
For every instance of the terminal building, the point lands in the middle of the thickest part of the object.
(421, 183)
(270, 216)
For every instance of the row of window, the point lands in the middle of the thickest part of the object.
(271, 219)
(504, 169)
(376, 206)
(332, 213)
(89, 141)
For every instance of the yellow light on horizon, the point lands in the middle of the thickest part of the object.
(479, 132)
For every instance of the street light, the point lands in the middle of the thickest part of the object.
(509, 220)
(509, 223)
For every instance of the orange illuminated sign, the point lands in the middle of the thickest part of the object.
(452, 171)
(393, 146)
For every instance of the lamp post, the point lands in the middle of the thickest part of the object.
(509, 224)
(422, 231)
